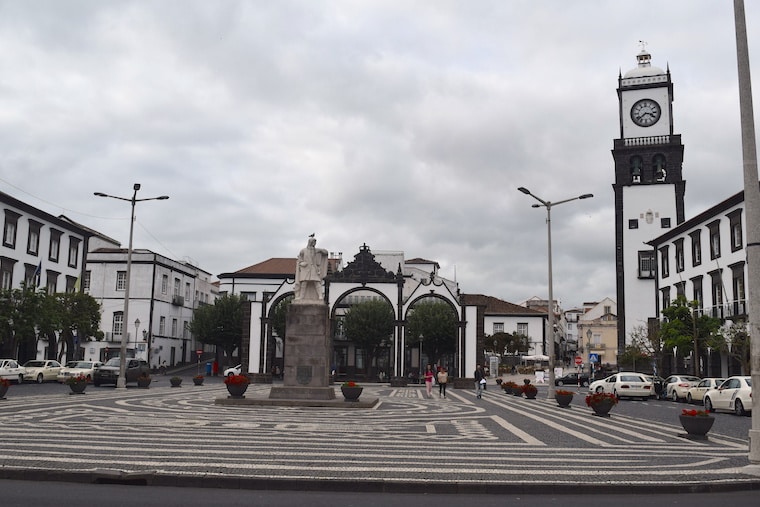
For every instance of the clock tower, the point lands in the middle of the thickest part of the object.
(649, 188)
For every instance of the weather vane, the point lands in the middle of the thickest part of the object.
(643, 45)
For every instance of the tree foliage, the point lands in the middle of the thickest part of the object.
(507, 343)
(279, 316)
(220, 324)
(436, 322)
(370, 326)
(685, 331)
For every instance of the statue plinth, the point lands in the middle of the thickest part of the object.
(308, 347)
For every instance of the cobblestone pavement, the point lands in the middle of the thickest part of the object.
(406, 442)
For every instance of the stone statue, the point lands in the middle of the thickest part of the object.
(311, 268)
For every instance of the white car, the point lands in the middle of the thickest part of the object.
(75, 368)
(676, 386)
(696, 394)
(734, 394)
(11, 370)
(624, 384)
(41, 370)
(235, 370)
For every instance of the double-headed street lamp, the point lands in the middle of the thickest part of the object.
(550, 308)
(121, 382)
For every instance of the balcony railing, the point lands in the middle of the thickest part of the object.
(178, 300)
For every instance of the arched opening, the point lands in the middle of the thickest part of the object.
(432, 331)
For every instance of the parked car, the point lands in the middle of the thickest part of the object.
(41, 370)
(571, 379)
(696, 394)
(734, 394)
(74, 368)
(109, 372)
(676, 386)
(624, 384)
(235, 370)
(11, 370)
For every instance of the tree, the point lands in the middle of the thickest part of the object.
(19, 313)
(686, 332)
(736, 335)
(80, 317)
(507, 343)
(436, 322)
(645, 343)
(279, 316)
(220, 324)
(369, 325)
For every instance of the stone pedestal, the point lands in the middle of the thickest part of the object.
(308, 347)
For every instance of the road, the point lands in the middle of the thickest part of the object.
(408, 443)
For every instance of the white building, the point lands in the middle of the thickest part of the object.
(703, 259)
(163, 293)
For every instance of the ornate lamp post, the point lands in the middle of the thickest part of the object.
(137, 327)
(121, 382)
(548, 205)
(589, 334)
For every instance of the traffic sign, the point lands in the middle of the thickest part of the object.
(593, 358)
(199, 352)
(578, 360)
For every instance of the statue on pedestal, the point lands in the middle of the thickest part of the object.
(311, 268)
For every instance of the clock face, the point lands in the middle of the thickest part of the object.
(645, 112)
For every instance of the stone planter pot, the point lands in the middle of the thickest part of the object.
(143, 382)
(3, 390)
(530, 394)
(696, 427)
(175, 382)
(237, 390)
(198, 381)
(78, 387)
(602, 409)
(351, 393)
(563, 400)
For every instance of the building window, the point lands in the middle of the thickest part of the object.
(187, 292)
(55, 245)
(33, 241)
(6, 273)
(737, 283)
(665, 291)
(714, 228)
(498, 327)
(658, 168)
(646, 264)
(164, 284)
(697, 290)
(681, 289)
(665, 223)
(71, 283)
(522, 328)
(735, 221)
(10, 228)
(74, 252)
(717, 293)
(636, 164)
(633, 223)
(87, 278)
(52, 281)
(607, 309)
(162, 326)
(118, 323)
(121, 280)
(174, 328)
(679, 255)
(30, 275)
(696, 248)
(664, 262)
(176, 286)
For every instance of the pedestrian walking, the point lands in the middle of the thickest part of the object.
(443, 379)
(480, 380)
(429, 374)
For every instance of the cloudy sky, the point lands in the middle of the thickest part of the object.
(405, 125)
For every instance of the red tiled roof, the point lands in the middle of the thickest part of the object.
(498, 306)
(273, 266)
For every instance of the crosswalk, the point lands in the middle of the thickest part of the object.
(406, 439)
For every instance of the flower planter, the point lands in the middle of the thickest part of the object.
(77, 387)
(143, 382)
(602, 408)
(696, 426)
(563, 400)
(237, 390)
(351, 393)
(530, 393)
(198, 381)
(175, 382)
(3, 390)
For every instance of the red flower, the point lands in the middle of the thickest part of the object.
(237, 380)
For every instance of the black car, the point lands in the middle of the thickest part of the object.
(571, 379)
(109, 372)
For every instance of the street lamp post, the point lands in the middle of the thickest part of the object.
(137, 327)
(548, 205)
(121, 382)
(589, 334)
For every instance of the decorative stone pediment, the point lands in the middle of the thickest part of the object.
(364, 269)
